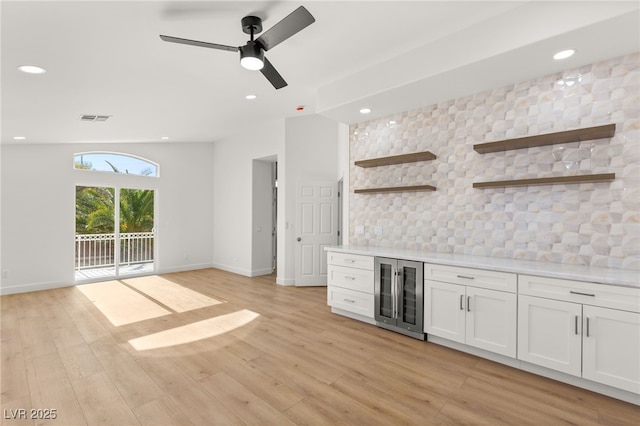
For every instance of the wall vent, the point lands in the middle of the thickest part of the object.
(93, 118)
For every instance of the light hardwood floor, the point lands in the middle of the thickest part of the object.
(210, 347)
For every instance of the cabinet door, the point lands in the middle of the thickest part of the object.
(611, 347)
(549, 333)
(491, 318)
(444, 310)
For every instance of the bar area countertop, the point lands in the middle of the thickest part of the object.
(609, 276)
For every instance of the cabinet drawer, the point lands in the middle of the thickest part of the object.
(351, 278)
(352, 301)
(609, 296)
(350, 260)
(502, 281)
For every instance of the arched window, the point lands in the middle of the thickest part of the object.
(112, 162)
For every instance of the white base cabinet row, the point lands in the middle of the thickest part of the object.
(585, 330)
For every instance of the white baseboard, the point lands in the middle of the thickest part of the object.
(260, 272)
(183, 268)
(285, 281)
(25, 288)
(233, 269)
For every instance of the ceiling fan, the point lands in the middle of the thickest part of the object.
(252, 53)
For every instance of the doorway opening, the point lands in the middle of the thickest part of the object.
(115, 233)
(264, 236)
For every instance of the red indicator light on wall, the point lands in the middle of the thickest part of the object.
(300, 108)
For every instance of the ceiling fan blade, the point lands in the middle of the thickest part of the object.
(198, 43)
(272, 75)
(288, 26)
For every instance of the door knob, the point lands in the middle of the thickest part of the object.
(298, 239)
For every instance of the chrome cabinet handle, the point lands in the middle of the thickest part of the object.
(466, 277)
(395, 293)
(347, 277)
(462, 302)
(468, 303)
(350, 260)
(587, 326)
(350, 300)
(582, 294)
(576, 326)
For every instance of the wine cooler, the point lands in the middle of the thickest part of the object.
(399, 302)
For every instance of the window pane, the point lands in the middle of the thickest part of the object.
(114, 163)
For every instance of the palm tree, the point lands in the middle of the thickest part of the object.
(136, 210)
(95, 210)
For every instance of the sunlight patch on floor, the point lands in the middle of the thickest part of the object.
(120, 304)
(170, 294)
(195, 331)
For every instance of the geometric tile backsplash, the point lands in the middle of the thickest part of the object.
(596, 224)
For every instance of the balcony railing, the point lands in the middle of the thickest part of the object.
(98, 250)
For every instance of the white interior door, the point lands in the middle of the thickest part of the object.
(316, 228)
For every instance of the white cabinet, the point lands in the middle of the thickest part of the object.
(586, 330)
(611, 347)
(473, 313)
(350, 285)
(549, 334)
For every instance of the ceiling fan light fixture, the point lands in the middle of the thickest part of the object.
(252, 56)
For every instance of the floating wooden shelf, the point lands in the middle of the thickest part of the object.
(396, 159)
(395, 189)
(603, 177)
(589, 133)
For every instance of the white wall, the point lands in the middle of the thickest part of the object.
(38, 200)
(233, 213)
(343, 173)
(305, 148)
(38, 208)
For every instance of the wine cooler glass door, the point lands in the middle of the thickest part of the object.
(385, 293)
(410, 301)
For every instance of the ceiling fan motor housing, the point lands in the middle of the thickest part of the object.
(253, 50)
(251, 25)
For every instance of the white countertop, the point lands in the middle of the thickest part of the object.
(610, 276)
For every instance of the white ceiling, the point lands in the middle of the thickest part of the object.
(106, 58)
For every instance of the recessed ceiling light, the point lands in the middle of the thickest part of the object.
(365, 110)
(250, 97)
(564, 54)
(32, 69)
(19, 138)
